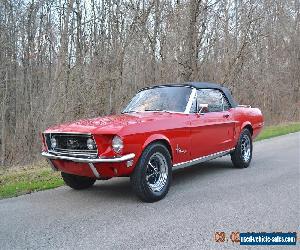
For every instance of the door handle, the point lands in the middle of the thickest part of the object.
(226, 115)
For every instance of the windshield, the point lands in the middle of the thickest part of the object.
(165, 98)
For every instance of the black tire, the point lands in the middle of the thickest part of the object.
(237, 157)
(140, 178)
(76, 181)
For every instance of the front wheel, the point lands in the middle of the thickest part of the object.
(76, 181)
(242, 155)
(152, 175)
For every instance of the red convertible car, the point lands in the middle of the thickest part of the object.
(163, 127)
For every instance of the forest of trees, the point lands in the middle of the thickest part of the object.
(61, 60)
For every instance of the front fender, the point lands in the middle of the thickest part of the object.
(155, 137)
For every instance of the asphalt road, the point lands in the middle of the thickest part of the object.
(203, 199)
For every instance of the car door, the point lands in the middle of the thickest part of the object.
(212, 130)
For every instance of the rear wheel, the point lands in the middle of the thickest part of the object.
(242, 155)
(152, 175)
(76, 181)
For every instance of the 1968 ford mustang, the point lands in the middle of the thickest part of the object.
(163, 127)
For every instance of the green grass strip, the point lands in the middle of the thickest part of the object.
(18, 181)
(282, 129)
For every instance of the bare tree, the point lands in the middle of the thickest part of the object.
(62, 60)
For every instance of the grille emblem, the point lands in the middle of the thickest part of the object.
(72, 144)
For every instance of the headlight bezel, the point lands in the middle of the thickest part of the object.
(53, 142)
(91, 144)
(117, 144)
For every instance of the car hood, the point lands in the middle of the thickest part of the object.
(109, 124)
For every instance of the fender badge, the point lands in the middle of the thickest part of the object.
(180, 151)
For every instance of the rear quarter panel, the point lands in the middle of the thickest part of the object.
(246, 116)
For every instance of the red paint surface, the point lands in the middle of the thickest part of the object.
(198, 135)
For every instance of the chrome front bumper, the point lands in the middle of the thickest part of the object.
(86, 160)
(90, 162)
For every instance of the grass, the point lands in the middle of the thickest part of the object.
(17, 181)
(282, 129)
(23, 180)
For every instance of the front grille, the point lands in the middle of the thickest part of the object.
(74, 145)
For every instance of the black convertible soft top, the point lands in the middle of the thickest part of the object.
(203, 85)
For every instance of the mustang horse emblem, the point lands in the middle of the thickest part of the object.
(72, 143)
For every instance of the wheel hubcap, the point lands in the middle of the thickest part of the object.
(157, 172)
(246, 148)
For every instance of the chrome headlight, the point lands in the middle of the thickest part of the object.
(90, 143)
(117, 144)
(53, 142)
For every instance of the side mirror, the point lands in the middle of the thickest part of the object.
(203, 108)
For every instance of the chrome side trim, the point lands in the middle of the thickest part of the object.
(203, 159)
(190, 102)
(86, 160)
(95, 172)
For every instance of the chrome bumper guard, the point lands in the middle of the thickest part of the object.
(90, 162)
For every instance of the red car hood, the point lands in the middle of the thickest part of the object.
(109, 124)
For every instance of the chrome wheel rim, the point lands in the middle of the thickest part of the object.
(246, 148)
(157, 172)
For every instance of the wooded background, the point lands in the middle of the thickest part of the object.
(61, 60)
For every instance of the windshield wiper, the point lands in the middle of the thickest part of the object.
(158, 110)
(130, 111)
(146, 110)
